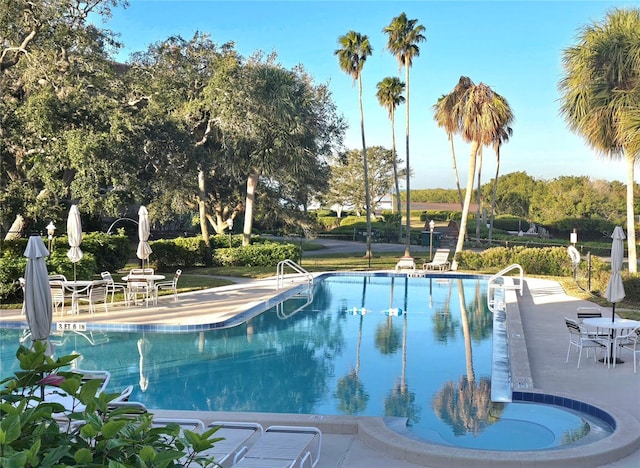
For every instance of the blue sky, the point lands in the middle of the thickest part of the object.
(513, 46)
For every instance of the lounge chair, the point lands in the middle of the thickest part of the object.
(406, 264)
(440, 261)
(284, 446)
(238, 438)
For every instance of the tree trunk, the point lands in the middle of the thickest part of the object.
(366, 172)
(202, 208)
(395, 173)
(467, 202)
(493, 195)
(252, 183)
(631, 227)
(455, 170)
(15, 231)
(479, 198)
(407, 249)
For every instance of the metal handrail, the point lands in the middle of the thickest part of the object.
(293, 265)
(493, 286)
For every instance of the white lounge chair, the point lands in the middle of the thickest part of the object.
(284, 446)
(406, 264)
(440, 261)
(238, 438)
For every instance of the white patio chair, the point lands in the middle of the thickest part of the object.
(58, 295)
(98, 293)
(142, 288)
(629, 341)
(581, 339)
(113, 286)
(172, 285)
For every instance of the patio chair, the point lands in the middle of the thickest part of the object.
(142, 271)
(98, 293)
(238, 438)
(57, 295)
(406, 264)
(628, 341)
(142, 288)
(113, 286)
(440, 261)
(172, 285)
(591, 312)
(286, 446)
(581, 339)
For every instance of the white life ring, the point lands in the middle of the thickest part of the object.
(574, 254)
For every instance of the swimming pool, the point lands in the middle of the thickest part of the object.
(370, 345)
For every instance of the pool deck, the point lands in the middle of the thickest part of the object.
(354, 442)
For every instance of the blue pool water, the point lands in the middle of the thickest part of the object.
(416, 348)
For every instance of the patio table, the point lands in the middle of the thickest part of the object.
(613, 327)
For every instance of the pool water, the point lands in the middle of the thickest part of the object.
(368, 345)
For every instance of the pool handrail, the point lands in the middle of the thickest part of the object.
(493, 286)
(293, 265)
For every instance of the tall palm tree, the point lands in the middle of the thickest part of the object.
(355, 48)
(445, 118)
(390, 96)
(404, 36)
(482, 115)
(600, 95)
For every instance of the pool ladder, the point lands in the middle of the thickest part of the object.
(294, 266)
(497, 285)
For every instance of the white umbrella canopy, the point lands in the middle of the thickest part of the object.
(74, 232)
(144, 250)
(615, 289)
(37, 292)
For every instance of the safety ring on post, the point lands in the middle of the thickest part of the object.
(573, 254)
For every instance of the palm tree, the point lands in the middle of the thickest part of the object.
(445, 118)
(390, 96)
(600, 95)
(482, 115)
(404, 36)
(355, 48)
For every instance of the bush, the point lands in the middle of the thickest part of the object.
(552, 261)
(181, 252)
(266, 254)
(41, 433)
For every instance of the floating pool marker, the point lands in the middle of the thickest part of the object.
(393, 312)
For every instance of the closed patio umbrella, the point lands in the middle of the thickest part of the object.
(37, 292)
(74, 232)
(615, 289)
(144, 250)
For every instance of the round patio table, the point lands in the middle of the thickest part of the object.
(613, 327)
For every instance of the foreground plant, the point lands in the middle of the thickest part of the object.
(35, 432)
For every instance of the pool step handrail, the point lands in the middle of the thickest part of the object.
(294, 266)
(497, 285)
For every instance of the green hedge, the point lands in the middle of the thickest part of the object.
(552, 261)
(181, 252)
(265, 254)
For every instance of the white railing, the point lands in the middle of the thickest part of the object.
(497, 285)
(294, 266)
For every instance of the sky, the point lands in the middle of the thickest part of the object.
(515, 47)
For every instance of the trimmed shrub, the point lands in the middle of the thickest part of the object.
(265, 254)
(553, 261)
(182, 252)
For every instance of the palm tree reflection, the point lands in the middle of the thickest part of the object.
(466, 405)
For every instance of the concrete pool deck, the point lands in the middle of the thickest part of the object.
(356, 442)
